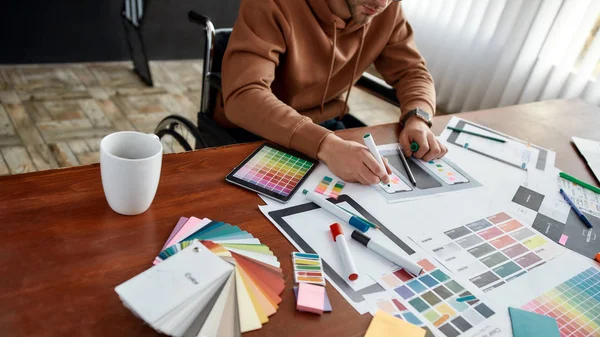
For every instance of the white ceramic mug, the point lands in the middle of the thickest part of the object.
(130, 164)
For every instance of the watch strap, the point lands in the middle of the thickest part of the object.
(416, 112)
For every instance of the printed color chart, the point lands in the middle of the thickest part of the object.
(274, 170)
(491, 251)
(434, 295)
(575, 304)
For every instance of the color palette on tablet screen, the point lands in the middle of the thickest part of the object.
(274, 170)
(575, 304)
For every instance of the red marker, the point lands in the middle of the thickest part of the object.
(349, 267)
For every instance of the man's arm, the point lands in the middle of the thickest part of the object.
(253, 52)
(403, 67)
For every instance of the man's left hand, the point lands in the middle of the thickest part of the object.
(416, 130)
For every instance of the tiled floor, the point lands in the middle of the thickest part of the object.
(54, 116)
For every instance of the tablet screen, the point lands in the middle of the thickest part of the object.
(273, 171)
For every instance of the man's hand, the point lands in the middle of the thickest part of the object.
(416, 130)
(352, 162)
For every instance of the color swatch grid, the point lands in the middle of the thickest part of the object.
(445, 172)
(575, 304)
(491, 251)
(325, 187)
(274, 170)
(434, 295)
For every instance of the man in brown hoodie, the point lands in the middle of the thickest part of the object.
(288, 63)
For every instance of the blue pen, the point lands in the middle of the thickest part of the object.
(577, 211)
(352, 220)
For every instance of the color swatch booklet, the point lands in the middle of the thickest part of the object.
(210, 279)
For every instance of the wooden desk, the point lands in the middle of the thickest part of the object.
(62, 250)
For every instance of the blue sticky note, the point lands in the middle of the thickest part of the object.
(327, 303)
(530, 324)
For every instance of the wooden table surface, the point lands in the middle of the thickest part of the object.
(62, 249)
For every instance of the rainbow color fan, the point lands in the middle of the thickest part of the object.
(235, 286)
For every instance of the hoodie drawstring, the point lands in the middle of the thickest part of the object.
(360, 48)
(332, 64)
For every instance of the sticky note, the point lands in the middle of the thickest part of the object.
(327, 305)
(386, 325)
(311, 298)
(530, 324)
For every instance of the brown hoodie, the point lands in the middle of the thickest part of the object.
(288, 63)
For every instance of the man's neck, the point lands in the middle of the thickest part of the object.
(340, 8)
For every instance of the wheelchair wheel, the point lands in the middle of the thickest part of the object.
(178, 134)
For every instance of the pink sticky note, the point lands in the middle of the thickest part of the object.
(563, 239)
(311, 298)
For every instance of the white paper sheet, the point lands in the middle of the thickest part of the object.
(514, 152)
(590, 149)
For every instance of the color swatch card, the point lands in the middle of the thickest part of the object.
(442, 170)
(387, 302)
(531, 324)
(386, 325)
(308, 268)
(272, 171)
(396, 185)
(575, 304)
(435, 297)
(328, 188)
(227, 304)
(490, 252)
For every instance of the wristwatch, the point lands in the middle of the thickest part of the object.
(416, 112)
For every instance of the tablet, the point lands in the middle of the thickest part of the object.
(273, 171)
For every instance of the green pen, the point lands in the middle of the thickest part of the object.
(579, 182)
(499, 140)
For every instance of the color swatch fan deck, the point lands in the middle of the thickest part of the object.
(212, 279)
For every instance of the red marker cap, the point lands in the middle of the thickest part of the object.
(598, 257)
(336, 230)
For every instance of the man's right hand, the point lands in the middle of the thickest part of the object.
(352, 162)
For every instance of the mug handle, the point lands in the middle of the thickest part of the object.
(153, 136)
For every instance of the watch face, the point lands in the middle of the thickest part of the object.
(423, 114)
